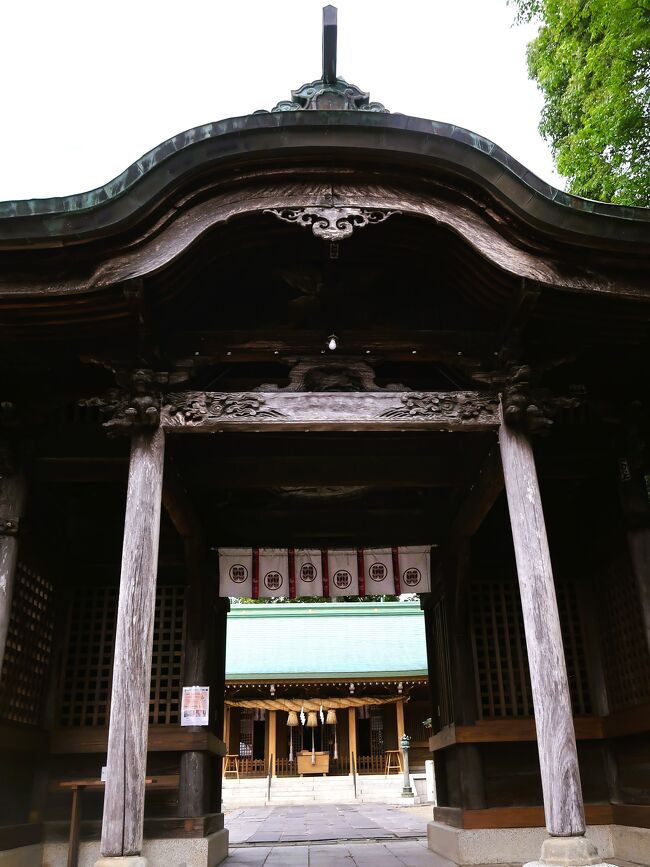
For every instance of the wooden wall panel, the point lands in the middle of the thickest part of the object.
(499, 650)
(626, 659)
(88, 657)
(23, 681)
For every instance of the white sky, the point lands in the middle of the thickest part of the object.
(90, 86)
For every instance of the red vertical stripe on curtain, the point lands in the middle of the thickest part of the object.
(361, 572)
(256, 573)
(396, 573)
(292, 573)
(326, 573)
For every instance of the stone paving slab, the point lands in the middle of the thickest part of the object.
(325, 822)
(403, 853)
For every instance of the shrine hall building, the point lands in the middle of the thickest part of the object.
(324, 350)
(365, 662)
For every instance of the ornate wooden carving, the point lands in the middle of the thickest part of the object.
(463, 405)
(134, 404)
(332, 224)
(528, 409)
(340, 373)
(209, 411)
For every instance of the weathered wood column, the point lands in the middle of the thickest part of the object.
(12, 498)
(558, 759)
(273, 747)
(636, 512)
(195, 770)
(399, 716)
(352, 737)
(129, 720)
(456, 577)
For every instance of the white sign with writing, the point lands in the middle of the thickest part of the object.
(195, 706)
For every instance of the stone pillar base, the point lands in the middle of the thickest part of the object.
(123, 861)
(568, 852)
(173, 852)
(506, 845)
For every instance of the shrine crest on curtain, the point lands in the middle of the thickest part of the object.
(266, 573)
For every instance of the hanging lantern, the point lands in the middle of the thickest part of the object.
(292, 719)
(312, 720)
(331, 717)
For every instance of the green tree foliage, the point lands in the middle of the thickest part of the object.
(591, 59)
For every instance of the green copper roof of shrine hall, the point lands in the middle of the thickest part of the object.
(351, 640)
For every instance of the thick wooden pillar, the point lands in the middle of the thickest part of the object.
(468, 756)
(558, 759)
(196, 766)
(226, 728)
(273, 746)
(129, 720)
(352, 737)
(633, 497)
(218, 688)
(12, 497)
(399, 713)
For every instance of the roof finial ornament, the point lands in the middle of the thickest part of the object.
(330, 92)
(329, 44)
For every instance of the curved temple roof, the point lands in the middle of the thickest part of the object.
(326, 117)
(345, 639)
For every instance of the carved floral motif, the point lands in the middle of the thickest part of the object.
(456, 404)
(332, 224)
(197, 406)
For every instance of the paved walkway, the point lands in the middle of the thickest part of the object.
(325, 822)
(320, 835)
(401, 853)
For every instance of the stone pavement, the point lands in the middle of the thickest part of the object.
(366, 835)
(397, 853)
(326, 822)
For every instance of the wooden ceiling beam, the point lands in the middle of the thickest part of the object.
(478, 499)
(517, 315)
(463, 348)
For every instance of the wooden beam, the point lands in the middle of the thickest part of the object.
(479, 498)
(129, 720)
(519, 311)
(556, 741)
(178, 504)
(161, 738)
(460, 348)
(209, 412)
(12, 498)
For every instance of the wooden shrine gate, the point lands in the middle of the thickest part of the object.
(208, 412)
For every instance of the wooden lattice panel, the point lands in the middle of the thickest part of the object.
(625, 651)
(28, 650)
(443, 666)
(85, 697)
(499, 649)
(88, 663)
(167, 657)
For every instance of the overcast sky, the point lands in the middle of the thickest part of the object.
(90, 86)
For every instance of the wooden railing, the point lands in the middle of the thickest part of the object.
(338, 767)
(251, 768)
(371, 764)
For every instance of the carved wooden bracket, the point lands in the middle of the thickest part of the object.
(530, 409)
(332, 224)
(131, 408)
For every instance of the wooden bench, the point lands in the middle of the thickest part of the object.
(77, 787)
